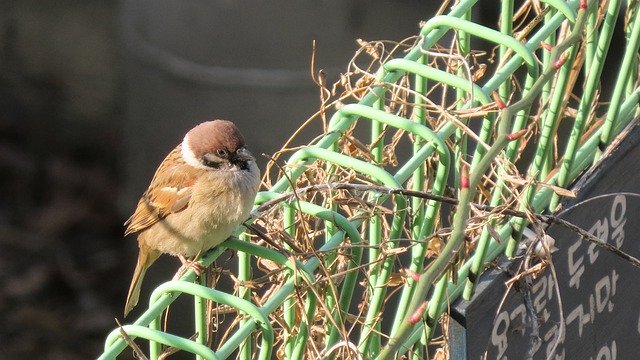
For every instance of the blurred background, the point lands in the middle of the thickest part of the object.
(93, 95)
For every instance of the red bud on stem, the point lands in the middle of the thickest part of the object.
(417, 315)
(516, 135)
(558, 64)
(414, 275)
(499, 103)
(546, 46)
(464, 176)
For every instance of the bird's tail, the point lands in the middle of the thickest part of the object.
(146, 257)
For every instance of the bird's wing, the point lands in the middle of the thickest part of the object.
(168, 193)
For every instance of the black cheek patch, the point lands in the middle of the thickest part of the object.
(211, 164)
(242, 165)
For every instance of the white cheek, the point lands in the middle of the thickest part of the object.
(188, 155)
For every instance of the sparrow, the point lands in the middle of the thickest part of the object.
(201, 192)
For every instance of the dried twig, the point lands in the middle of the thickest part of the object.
(136, 349)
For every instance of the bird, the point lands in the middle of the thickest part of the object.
(200, 193)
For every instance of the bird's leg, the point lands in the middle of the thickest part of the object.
(189, 264)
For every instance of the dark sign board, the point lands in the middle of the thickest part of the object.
(599, 293)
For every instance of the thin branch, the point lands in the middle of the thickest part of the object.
(136, 349)
(547, 219)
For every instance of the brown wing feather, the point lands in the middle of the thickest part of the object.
(169, 192)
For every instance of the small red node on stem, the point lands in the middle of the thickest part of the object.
(546, 46)
(417, 315)
(414, 275)
(558, 64)
(499, 103)
(464, 176)
(583, 4)
(516, 135)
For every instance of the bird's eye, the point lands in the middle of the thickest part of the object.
(222, 153)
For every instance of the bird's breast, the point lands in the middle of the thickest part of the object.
(219, 203)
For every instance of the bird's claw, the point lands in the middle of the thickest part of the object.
(189, 264)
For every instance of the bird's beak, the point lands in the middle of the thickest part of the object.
(243, 155)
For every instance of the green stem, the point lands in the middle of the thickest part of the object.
(448, 253)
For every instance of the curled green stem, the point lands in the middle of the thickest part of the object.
(466, 194)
